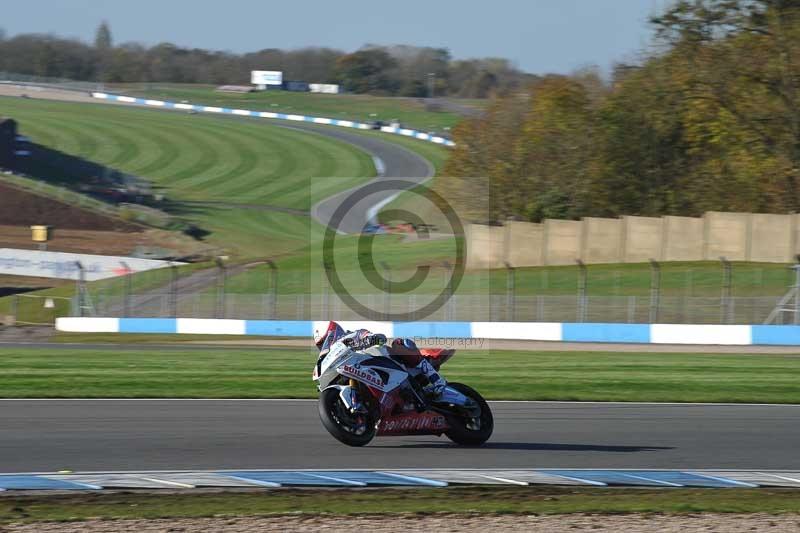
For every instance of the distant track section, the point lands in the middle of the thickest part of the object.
(268, 114)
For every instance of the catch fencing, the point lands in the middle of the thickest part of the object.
(463, 308)
(686, 294)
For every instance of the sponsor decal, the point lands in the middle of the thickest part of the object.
(358, 373)
(413, 423)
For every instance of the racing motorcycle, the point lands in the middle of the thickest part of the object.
(366, 393)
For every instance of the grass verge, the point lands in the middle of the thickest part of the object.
(528, 500)
(285, 372)
(412, 112)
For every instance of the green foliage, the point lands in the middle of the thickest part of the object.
(102, 39)
(711, 122)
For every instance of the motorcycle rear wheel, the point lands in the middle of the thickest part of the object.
(459, 431)
(335, 417)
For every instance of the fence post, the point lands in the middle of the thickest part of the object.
(126, 291)
(655, 290)
(326, 293)
(273, 288)
(173, 290)
(15, 309)
(387, 291)
(221, 275)
(80, 288)
(726, 317)
(448, 310)
(796, 320)
(582, 285)
(511, 287)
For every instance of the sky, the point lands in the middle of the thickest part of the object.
(538, 36)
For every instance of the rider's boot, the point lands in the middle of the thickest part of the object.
(433, 384)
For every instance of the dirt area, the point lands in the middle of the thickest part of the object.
(637, 523)
(23, 208)
(100, 242)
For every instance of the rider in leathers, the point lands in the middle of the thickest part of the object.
(404, 351)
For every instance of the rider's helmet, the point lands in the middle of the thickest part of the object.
(324, 338)
(405, 344)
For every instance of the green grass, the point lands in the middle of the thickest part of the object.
(229, 372)
(699, 279)
(527, 500)
(203, 158)
(411, 112)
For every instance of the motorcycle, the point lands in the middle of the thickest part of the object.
(364, 394)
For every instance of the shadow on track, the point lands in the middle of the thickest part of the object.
(537, 446)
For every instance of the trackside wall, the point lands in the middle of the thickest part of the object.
(457, 332)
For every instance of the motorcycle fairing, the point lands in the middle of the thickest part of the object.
(379, 372)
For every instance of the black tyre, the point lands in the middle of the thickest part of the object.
(471, 431)
(353, 430)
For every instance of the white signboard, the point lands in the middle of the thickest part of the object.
(266, 77)
(63, 265)
(326, 88)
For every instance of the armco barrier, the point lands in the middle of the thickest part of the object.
(268, 114)
(614, 333)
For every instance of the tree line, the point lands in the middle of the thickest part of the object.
(709, 120)
(383, 70)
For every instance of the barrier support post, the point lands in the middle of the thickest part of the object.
(448, 309)
(726, 315)
(221, 281)
(273, 288)
(655, 290)
(326, 292)
(582, 288)
(15, 309)
(511, 287)
(796, 320)
(387, 291)
(126, 290)
(80, 288)
(173, 290)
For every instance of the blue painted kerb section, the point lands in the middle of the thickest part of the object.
(148, 325)
(776, 335)
(636, 333)
(433, 329)
(279, 328)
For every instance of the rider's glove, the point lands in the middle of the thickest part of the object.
(378, 339)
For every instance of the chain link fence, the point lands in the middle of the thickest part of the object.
(736, 294)
(461, 307)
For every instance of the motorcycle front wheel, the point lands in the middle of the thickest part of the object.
(351, 429)
(471, 431)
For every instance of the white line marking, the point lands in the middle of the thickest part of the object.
(173, 483)
(422, 481)
(723, 479)
(337, 479)
(255, 481)
(587, 481)
(785, 478)
(505, 480)
(658, 481)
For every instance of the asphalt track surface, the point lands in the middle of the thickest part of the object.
(118, 435)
